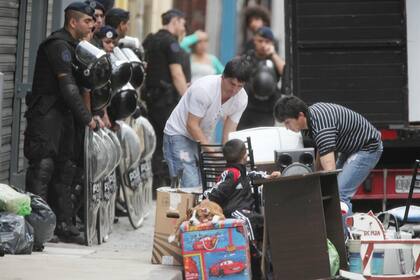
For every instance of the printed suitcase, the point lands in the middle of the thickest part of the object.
(216, 251)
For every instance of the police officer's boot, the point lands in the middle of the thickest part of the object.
(65, 227)
(38, 177)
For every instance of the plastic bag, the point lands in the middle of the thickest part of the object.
(13, 201)
(334, 258)
(16, 235)
(43, 221)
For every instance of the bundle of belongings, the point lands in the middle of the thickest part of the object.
(26, 221)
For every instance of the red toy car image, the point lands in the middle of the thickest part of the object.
(206, 243)
(226, 267)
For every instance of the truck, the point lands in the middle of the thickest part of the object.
(364, 55)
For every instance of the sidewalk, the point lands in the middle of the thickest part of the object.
(126, 255)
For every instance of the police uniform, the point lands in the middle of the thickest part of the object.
(259, 111)
(160, 95)
(53, 106)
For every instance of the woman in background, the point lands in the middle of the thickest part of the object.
(202, 63)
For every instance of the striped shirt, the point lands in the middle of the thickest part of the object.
(336, 128)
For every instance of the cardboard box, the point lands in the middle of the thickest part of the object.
(170, 204)
(217, 250)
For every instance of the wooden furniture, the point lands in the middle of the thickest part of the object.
(301, 212)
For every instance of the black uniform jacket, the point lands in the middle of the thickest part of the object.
(233, 191)
(55, 57)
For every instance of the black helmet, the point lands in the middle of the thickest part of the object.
(101, 97)
(123, 103)
(264, 84)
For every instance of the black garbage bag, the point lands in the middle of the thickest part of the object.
(43, 221)
(16, 235)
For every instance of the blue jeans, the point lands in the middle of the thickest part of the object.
(356, 167)
(181, 153)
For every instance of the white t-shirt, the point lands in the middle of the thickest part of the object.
(204, 99)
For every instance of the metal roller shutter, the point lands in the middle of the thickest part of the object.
(9, 14)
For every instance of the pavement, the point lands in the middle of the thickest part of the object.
(126, 255)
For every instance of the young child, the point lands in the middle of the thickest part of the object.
(233, 192)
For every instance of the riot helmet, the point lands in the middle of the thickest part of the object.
(92, 65)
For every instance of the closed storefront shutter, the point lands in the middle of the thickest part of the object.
(9, 14)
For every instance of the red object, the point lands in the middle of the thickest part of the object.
(227, 267)
(383, 185)
(389, 134)
(206, 243)
(191, 270)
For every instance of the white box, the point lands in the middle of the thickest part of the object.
(266, 140)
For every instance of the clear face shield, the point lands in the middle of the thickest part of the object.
(137, 75)
(93, 65)
(134, 44)
(121, 70)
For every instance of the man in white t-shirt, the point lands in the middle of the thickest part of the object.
(194, 119)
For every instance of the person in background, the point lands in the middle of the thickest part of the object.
(119, 20)
(206, 101)
(255, 18)
(105, 38)
(202, 63)
(99, 14)
(262, 88)
(165, 82)
(335, 129)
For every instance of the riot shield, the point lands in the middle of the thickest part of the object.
(92, 184)
(107, 206)
(147, 134)
(128, 174)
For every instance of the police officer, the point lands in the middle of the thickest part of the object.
(262, 88)
(165, 81)
(53, 105)
(119, 20)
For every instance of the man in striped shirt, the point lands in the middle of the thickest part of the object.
(336, 130)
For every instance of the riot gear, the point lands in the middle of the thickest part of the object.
(123, 104)
(121, 72)
(38, 177)
(264, 82)
(137, 76)
(101, 97)
(263, 91)
(92, 65)
(134, 44)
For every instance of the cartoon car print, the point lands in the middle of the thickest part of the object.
(207, 243)
(226, 267)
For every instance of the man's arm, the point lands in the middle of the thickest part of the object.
(328, 161)
(228, 127)
(178, 78)
(277, 60)
(193, 127)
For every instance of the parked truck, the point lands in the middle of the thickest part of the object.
(364, 55)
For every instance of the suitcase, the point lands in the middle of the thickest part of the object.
(211, 251)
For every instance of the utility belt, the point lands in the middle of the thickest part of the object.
(160, 96)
